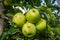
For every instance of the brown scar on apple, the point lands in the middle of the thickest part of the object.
(25, 31)
(34, 11)
(28, 26)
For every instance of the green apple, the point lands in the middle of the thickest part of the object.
(41, 25)
(6, 2)
(19, 19)
(29, 30)
(33, 15)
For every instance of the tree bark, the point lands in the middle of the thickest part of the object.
(1, 14)
(59, 6)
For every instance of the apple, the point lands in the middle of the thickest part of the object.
(19, 19)
(6, 2)
(33, 15)
(41, 25)
(29, 30)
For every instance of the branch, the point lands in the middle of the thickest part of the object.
(1, 20)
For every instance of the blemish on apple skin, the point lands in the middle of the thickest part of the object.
(29, 34)
(25, 31)
(34, 11)
(18, 18)
(28, 26)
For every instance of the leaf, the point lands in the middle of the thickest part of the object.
(53, 1)
(34, 2)
(48, 11)
(9, 15)
(46, 1)
(12, 30)
(57, 29)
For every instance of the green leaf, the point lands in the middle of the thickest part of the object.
(46, 1)
(48, 11)
(12, 30)
(9, 14)
(53, 1)
(57, 29)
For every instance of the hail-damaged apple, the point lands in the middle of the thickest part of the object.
(29, 30)
(33, 15)
(19, 19)
(41, 25)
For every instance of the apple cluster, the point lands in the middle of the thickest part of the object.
(30, 22)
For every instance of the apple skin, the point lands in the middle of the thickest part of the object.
(33, 15)
(19, 19)
(7, 3)
(41, 25)
(29, 30)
